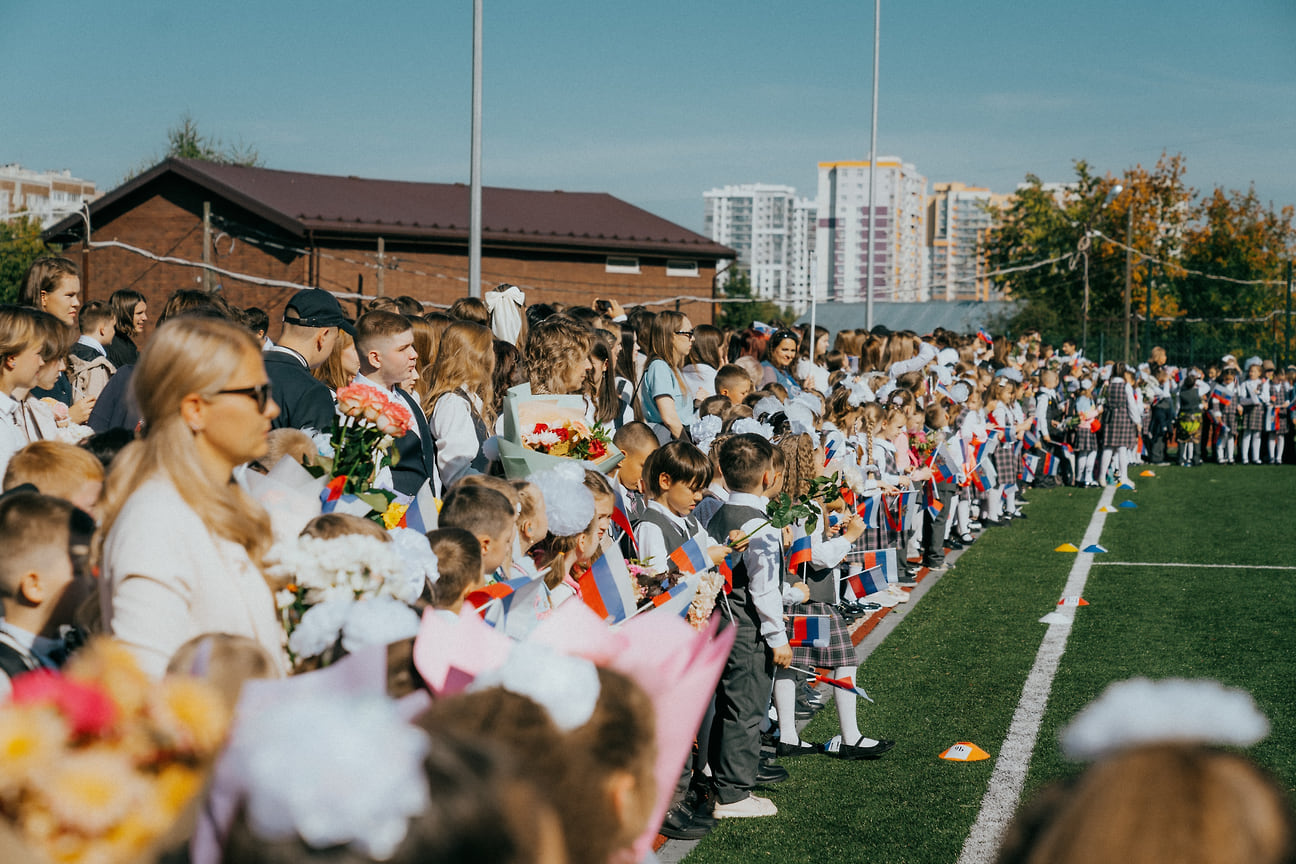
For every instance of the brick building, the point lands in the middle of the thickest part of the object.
(362, 238)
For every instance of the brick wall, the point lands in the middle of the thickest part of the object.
(166, 219)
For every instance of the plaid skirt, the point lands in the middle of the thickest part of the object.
(1284, 421)
(1253, 418)
(1230, 418)
(1118, 430)
(840, 651)
(1084, 440)
(1006, 463)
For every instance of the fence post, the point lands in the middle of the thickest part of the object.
(1287, 319)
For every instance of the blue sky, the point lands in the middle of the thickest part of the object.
(657, 102)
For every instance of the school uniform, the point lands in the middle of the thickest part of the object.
(660, 532)
(1253, 396)
(416, 458)
(22, 651)
(820, 576)
(756, 607)
(1120, 421)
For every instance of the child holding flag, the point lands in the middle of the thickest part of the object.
(675, 476)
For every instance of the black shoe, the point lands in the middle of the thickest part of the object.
(804, 748)
(700, 800)
(1019, 515)
(907, 578)
(851, 752)
(682, 824)
(770, 773)
(934, 565)
(954, 544)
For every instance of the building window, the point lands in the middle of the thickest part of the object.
(622, 265)
(681, 268)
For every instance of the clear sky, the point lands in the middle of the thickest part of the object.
(657, 102)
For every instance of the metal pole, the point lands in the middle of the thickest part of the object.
(1084, 339)
(1129, 276)
(1151, 298)
(1287, 320)
(382, 265)
(872, 195)
(207, 247)
(474, 204)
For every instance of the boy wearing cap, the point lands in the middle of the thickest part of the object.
(310, 328)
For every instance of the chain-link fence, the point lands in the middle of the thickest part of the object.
(1197, 342)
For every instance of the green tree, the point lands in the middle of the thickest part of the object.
(186, 141)
(20, 244)
(739, 316)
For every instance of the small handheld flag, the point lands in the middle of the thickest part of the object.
(621, 518)
(691, 557)
(502, 591)
(931, 500)
(809, 631)
(984, 336)
(608, 589)
(830, 450)
(799, 553)
(846, 683)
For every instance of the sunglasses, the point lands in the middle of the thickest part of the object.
(688, 333)
(259, 394)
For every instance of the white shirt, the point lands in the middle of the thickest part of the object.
(653, 550)
(763, 557)
(455, 433)
(86, 340)
(38, 646)
(167, 579)
(12, 436)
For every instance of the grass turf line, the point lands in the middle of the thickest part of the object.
(952, 671)
(1232, 625)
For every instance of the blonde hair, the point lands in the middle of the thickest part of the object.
(331, 371)
(800, 458)
(186, 356)
(330, 526)
(17, 330)
(556, 350)
(54, 467)
(465, 358)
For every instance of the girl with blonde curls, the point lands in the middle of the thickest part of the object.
(558, 356)
(341, 367)
(460, 403)
(181, 542)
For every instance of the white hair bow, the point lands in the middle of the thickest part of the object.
(506, 312)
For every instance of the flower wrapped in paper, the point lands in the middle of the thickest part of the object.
(541, 432)
(368, 421)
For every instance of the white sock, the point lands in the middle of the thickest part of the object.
(846, 703)
(1282, 444)
(1255, 447)
(785, 687)
(1104, 465)
(1010, 494)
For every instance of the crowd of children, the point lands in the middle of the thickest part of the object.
(888, 450)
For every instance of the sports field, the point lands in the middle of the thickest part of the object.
(955, 667)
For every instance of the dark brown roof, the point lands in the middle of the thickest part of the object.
(356, 206)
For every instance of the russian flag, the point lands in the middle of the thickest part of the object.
(881, 559)
(677, 599)
(501, 591)
(691, 557)
(932, 500)
(943, 465)
(1030, 439)
(1220, 395)
(847, 684)
(867, 582)
(607, 587)
(809, 631)
(1047, 465)
(830, 450)
(984, 336)
(621, 518)
(799, 553)
(980, 479)
(868, 509)
(726, 570)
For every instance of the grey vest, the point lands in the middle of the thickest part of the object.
(671, 533)
(732, 517)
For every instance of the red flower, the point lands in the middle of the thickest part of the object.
(88, 710)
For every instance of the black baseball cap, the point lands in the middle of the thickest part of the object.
(314, 307)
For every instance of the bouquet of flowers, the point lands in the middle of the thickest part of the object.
(539, 431)
(99, 760)
(367, 423)
(343, 593)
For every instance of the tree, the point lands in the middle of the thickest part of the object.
(185, 141)
(20, 245)
(739, 316)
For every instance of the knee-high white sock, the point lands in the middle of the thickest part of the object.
(964, 515)
(1255, 447)
(1230, 449)
(1105, 464)
(785, 685)
(1282, 445)
(1010, 498)
(994, 504)
(846, 703)
(1122, 463)
(1246, 446)
(1272, 445)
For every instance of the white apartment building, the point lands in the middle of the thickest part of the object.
(44, 195)
(899, 234)
(801, 254)
(757, 220)
(958, 219)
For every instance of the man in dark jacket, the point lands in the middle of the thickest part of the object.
(311, 323)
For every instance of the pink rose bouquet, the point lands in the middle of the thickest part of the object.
(368, 422)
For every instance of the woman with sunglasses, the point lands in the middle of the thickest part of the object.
(662, 388)
(181, 542)
(778, 366)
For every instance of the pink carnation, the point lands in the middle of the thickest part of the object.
(88, 710)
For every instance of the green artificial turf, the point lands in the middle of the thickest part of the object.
(953, 670)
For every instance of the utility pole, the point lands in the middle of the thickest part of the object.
(868, 278)
(382, 265)
(207, 247)
(1287, 319)
(474, 180)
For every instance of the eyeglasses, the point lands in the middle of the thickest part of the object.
(259, 394)
(688, 333)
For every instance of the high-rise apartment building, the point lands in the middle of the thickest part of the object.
(898, 225)
(754, 219)
(801, 253)
(958, 219)
(47, 196)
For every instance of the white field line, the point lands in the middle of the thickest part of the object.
(1009, 776)
(1181, 564)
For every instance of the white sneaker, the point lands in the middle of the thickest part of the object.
(748, 808)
